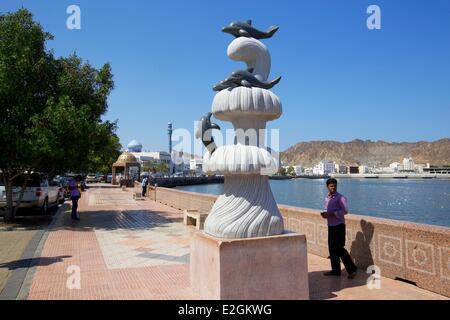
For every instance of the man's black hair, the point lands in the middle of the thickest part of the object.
(331, 180)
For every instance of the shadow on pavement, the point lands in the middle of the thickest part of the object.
(32, 262)
(323, 287)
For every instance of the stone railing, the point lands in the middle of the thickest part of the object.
(401, 250)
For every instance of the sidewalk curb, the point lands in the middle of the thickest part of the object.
(19, 282)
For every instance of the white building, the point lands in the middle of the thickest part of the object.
(418, 168)
(157, 156)
(308, 171)
(196, 165)
(385, 170)
(408, 164)
(338, 168)
(298, 170)
(396, 167)
(363, 169)
(324, 167)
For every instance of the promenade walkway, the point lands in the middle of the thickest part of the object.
(139, 249)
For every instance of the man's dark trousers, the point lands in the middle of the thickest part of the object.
(144, 191)
(74, 207)
(336, 246)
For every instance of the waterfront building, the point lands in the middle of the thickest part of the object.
(418, 168)
(156, 156)
(196, 166)
(353, 169)
(408, 164)
(324, 167)
(339, 168)
(396, 167)
(386, 170)
(298, 170)
(363, 169)
(308, 171)
(445, 169)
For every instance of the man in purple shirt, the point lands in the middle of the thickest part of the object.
(336, 208)
(75, 195)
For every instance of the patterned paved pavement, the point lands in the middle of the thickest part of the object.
(138, 249)
(125, 249)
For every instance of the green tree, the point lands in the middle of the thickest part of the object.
(282, 171)
(153, 166)
(162, 167)
(50, 109)
(290, 171)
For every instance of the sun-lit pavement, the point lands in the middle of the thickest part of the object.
(139, 249)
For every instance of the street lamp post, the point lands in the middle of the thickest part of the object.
(169, 133)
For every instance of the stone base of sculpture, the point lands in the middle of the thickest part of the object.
(263, 268)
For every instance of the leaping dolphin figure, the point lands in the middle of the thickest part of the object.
(204, 132)
(245, 29)
(244, 78)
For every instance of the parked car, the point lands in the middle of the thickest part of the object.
(109, 178)
(91, 178)
(39, 194)
(64, 180)
(101, 177)
(61, 190)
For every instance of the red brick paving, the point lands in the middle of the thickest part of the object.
(67, 246)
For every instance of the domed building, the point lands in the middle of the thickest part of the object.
(129, 164)
(134, 146)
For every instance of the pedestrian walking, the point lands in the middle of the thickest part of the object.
(336, 208)
(75, 195)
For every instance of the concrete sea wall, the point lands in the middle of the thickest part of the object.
(414, 252)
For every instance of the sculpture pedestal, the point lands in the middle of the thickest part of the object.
(265, 268)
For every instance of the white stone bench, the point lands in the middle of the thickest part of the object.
(194, 218)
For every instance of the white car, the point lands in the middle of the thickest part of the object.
(91, 178)
(61, 191)
(38, 194)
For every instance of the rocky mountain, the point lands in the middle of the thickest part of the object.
(371, 153)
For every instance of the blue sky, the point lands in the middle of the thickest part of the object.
(341, 81)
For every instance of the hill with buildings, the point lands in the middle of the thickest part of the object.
(368, 153)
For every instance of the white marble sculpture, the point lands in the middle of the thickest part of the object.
(247, 207)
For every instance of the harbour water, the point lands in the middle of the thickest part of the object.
(420, 201)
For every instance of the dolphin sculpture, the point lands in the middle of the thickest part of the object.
(204, 130)
(244, 78)
(245, 29)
